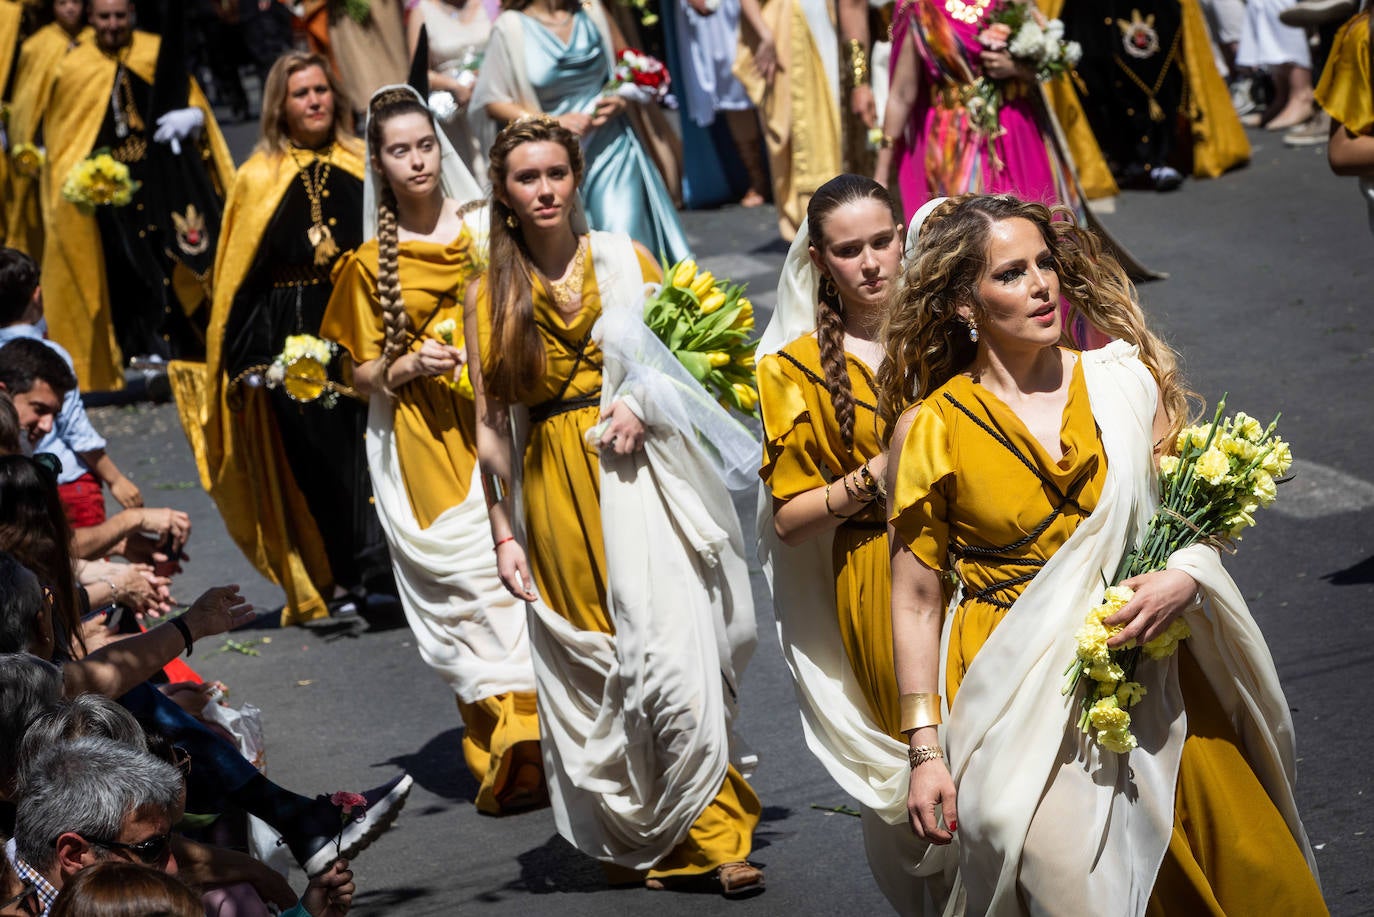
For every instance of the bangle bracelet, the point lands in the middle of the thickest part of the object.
(858, 62)
(850, 490)
(501, 541)
(827, 503)
(919, 711)
(114, 590)
(185, 634)
(920, 754)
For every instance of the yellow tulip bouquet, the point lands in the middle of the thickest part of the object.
(708, 326)
(1224, 471)
(99, 180)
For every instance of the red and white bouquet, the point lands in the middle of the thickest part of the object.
(640, 77)
(1033, 41)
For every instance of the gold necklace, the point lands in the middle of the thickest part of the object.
(315, 177)
(967, 12)
(564, 291)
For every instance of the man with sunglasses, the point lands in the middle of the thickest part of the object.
(91, 800)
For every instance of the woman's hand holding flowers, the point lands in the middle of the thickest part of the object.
(1160, 597)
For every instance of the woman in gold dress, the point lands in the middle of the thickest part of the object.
(635, 692)
(289, 476)
(397, 310)
(1026, 470)
(822, 527)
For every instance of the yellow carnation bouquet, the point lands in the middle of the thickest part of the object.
(447, 331)
(708, 326)
(99, 180)
(28, 159)
(1209, 492)
(302, 370)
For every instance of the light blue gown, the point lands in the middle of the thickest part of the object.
(622, 190)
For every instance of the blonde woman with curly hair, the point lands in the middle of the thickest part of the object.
(397, 310)
(627, 546)
(1022, 471)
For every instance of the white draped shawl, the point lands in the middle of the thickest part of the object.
(637, 724)
(1049, 823)
(466, 625)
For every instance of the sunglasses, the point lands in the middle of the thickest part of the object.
(150, 852)
(27, 900)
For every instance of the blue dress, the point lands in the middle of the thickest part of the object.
(622, 190)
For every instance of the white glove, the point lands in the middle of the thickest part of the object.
(176, 126)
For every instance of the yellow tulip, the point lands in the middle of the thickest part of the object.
(684, 274)
(746, 395)
(746, 360)
(713, 301)
(718, 359)
(703, 285)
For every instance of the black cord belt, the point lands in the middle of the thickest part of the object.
(552, 408)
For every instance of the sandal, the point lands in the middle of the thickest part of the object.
(740, 879)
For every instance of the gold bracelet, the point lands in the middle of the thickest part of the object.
(867, 482)
(858, 61)
(919, 711)
(827, 502)
(848, 489)
(920, 754)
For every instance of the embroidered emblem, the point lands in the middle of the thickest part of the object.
(1138, 37)
(192, 238)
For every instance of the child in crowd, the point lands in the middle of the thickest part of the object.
(81, 449)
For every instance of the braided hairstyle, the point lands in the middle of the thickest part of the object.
(840, 191)
(925, 343)
(384, 107)
(516, 358)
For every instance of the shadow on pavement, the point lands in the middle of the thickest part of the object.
(438, 766)
(1356, 575)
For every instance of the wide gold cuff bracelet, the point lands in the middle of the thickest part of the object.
(920, 710)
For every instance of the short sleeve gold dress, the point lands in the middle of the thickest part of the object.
(562, 496)
(435, 435)
(978, 494)
(803, 450)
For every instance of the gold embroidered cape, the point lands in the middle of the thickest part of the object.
(238, 452)
(74, 283)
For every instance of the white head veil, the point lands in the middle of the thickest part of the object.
(456, 180)
(798, 289)
(913, 232)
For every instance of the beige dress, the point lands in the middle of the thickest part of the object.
(457, 40)
(371, 55)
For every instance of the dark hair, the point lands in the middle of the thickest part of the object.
(34, 528)
(383, 107)
(9, 426)
(516, 358)
(29, 687)
(838, 192)
(118, 889)
(24, 360)
(21, 599)
(18, 280)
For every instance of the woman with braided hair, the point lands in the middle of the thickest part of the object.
(1022, 471)
(627, 531)
(397, 309)
(821, 524)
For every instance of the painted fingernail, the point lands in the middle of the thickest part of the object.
(954, 826)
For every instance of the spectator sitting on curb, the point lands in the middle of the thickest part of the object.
(73, 439)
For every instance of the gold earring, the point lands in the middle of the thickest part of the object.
(972, 332)
(511, 221)
(829, 289)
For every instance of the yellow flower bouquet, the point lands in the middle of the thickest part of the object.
(302, 370)
(447, 331)
(28, 159)
(1222, 474)
(708, 326)
(99, 181)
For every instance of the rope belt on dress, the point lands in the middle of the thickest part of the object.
(555, 406)
(1000, 554)
(298, 275)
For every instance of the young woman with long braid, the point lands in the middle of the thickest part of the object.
(397, 309)
(821, 523)
(646, 618)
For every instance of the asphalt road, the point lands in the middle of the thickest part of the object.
(1268, 299)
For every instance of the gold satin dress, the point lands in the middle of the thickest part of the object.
(436, 443)
(803, 450)
(960, 491)
(562, 495)
(1346, 91)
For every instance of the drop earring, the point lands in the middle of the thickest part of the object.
(511, 221)
(829, 289)
(973, 332)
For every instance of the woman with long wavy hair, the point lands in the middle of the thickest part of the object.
(289, 477)
(1022, 472)
(397, 309)
(637, 682)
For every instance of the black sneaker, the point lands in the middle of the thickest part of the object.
(318, 840)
